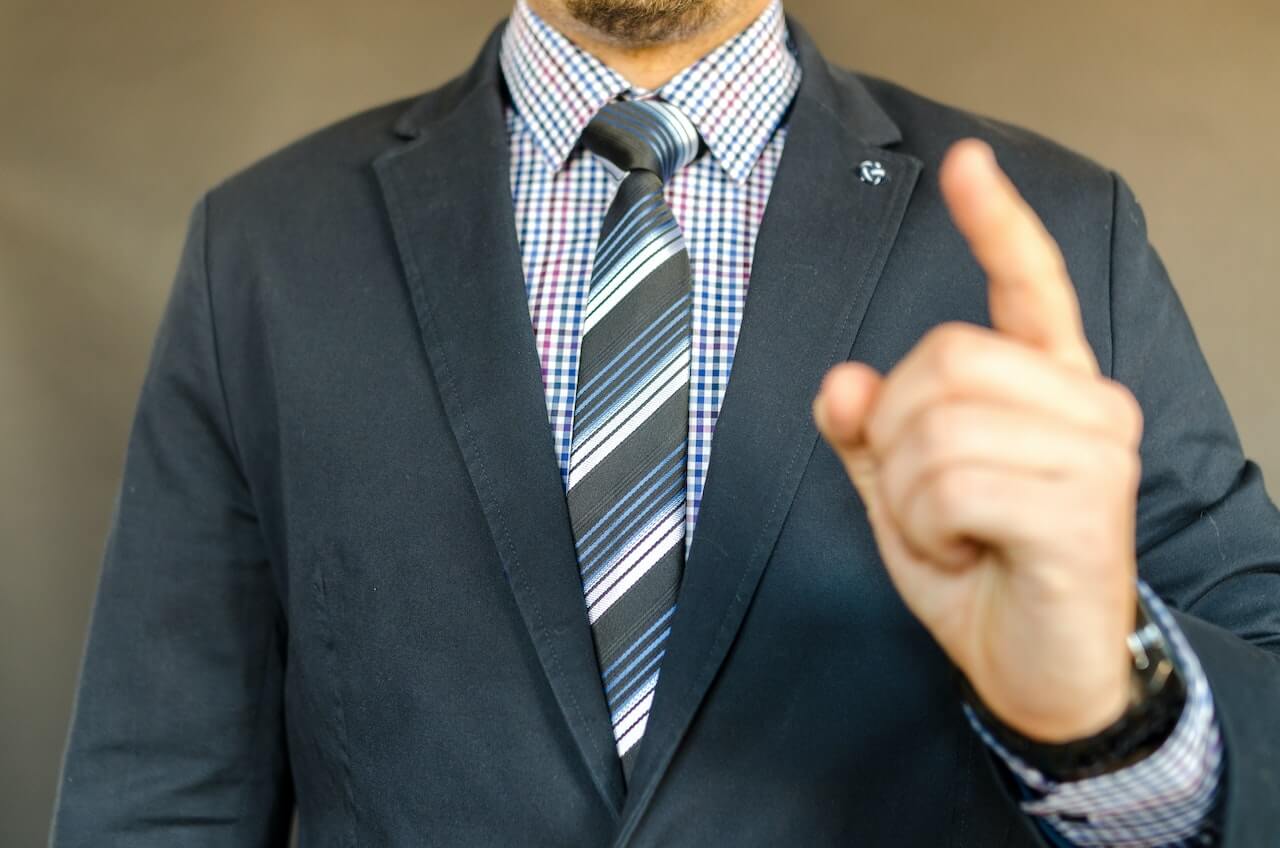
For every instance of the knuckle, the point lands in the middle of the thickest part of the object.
(1129, 470)
(951, 347)
(1135, 473)
(1052, 263)
(1117, 464)
(1047, 256)
(1125, 411)
(934, 430)
(1110, 458)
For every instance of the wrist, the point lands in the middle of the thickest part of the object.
(1145, 717)
(1080, 709)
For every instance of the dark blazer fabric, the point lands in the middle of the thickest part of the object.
(341, 578)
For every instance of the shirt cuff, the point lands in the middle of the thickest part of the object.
(1165, 799)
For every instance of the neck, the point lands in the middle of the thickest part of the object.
(650, 66)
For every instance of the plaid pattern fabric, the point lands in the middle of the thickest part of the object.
(737, 97)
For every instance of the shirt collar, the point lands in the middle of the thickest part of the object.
(736, 96)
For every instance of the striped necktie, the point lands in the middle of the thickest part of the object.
(631, 412)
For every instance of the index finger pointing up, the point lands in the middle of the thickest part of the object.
(1030, 295)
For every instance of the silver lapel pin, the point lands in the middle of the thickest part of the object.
(872, 172)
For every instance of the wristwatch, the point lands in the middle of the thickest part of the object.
(1157, 695)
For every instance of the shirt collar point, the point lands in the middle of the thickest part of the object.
(737, 164)
(553, 149)
(554, 160)
(739, 172)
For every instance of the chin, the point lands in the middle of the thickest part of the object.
(640, 23)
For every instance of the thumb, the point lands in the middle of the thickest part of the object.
(840, 410)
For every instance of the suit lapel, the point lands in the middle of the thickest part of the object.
(822, 245)
(449, 200)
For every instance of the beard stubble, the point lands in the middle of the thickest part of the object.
(641, 23)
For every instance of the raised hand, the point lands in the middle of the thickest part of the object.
(1000, 472)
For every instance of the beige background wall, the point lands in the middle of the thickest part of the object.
(115, 116)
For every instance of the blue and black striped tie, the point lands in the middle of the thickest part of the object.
(631, 412)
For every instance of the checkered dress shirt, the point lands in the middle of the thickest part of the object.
(738, 97)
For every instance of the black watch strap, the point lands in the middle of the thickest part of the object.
(1158, 696)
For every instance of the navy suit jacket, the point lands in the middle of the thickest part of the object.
(341, 575)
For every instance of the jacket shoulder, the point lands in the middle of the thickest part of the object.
(1076, 198)
(310, 165)
(1048, 173)
(328, 166)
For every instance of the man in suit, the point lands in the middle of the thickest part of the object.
(471, 499)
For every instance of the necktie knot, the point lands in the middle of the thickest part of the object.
(643, 135)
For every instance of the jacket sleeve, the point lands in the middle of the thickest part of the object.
(1208, 534)
(177, 732)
